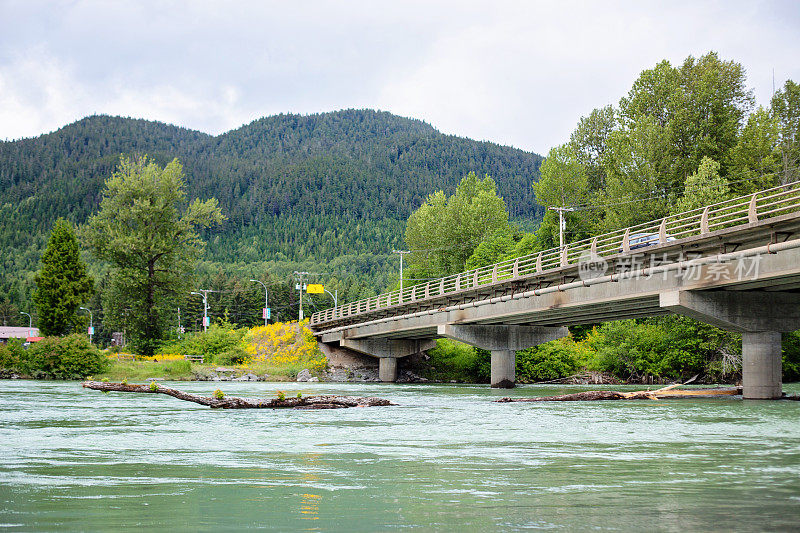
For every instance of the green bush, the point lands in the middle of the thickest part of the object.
(70, 357)
(235, 355)
(11, 354)
(791, 357)
(453, 360)
(218, 340)
(551, 360)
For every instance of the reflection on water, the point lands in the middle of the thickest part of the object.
(309, 503)
(447, 457)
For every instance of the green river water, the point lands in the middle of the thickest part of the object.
(446, 458)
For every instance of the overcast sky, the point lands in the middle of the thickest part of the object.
(517, 73)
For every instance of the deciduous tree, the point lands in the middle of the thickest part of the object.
(147, 231)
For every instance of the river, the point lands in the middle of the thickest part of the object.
(445, 458)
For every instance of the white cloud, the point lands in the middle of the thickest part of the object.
(518, 73)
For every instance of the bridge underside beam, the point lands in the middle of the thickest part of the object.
(759, 316)
(387, 351)
(502, 341)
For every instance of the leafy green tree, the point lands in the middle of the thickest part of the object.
(147, 231)
(564, 182)
(444, 232)
(704, 187)
(590, 140)
(786, 109)
(755, 160)
(698, 108)
(62, 283)
(636, 189)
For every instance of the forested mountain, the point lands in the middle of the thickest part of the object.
(297, 190)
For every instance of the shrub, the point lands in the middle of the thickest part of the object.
(153, 386)
(11, 354)
(451, 360)
(281, 395)
(551, 360)
(285, 344)
(70, 357)
(219, 395)
(791, 356)
(235, 355)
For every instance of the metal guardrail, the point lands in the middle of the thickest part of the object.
(741, 211)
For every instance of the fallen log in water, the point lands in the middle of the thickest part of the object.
(665, 392)
(308, 402)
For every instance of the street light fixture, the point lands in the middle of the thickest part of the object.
(30, 323)
(266, 300)
(91, 326)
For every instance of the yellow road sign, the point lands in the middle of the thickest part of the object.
(315, 289)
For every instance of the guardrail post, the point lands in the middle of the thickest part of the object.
(662, 232)
(704, 221)
(458, 282)
(427, 289)
(593, 248)
(626, 241)
(515, 268)
(752, 209)
(539, 262)
(475, 278)
(565, 256)
(494, 274)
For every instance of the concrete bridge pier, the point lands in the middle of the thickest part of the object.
(387, 369)
(387, 351)
(503, 342)
(762, 365)
(759, 316)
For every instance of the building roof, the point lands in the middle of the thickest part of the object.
(17, 332)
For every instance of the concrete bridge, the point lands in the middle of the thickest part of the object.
(734, 264)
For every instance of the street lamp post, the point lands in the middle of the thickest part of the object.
(91, 326)
(30, 323)
(402, 253)
(334, 296)
(266, 300)
(204, 295)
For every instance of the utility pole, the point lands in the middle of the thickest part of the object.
(91, 326)
(402, 253)
(301, 287)
(30, 323)
(562, 224)
(266, 300)
(204, 294)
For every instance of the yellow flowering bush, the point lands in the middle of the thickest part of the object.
(285, 343)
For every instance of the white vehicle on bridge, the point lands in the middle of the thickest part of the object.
(643, 240)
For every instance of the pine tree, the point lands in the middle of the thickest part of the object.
(62, 283)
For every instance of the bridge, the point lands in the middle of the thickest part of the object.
(734, 264)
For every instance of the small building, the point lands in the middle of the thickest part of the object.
(17, 332)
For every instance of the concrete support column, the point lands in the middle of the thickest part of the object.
(387, 369)
(761, 365)
(503, 369)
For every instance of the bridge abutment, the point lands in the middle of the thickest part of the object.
(503, 342)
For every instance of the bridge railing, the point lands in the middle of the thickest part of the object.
(739, 211)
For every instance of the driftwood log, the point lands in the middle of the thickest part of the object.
(230, 402)
(658, 394)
